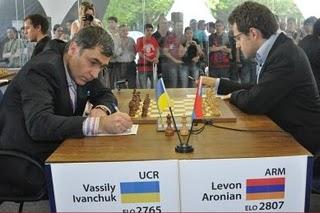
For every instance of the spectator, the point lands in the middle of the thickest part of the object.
(219, 62)
(86, 18)
(13, 49)
(125, 67)
(311, 46)
(36, 29)
(148, 50)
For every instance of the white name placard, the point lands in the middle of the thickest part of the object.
(132, 186)
(276, 184)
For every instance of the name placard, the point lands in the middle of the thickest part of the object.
(133, 186)
(274, 184)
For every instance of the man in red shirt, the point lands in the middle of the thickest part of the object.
(148, 50)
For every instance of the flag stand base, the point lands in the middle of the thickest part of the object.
(184, 148)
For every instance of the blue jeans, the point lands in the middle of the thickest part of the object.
(170, 75)
(219, 72)
(143, 79)
(185, 71)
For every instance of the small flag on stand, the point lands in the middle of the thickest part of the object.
(163, 100)
(197, 107)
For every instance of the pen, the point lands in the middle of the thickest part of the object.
(115, 107)
(191, 78)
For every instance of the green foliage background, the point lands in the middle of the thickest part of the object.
(283, 8)
(135, 13)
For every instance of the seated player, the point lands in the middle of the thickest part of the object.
(286, 89)
(44, 103)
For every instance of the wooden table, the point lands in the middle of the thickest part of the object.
(213, 143)
(249, 144)
(12, 73)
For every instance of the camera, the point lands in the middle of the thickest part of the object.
(88, 17)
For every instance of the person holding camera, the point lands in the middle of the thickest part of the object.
(190, 52)
(86, 18)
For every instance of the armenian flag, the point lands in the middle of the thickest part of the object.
(197, 107)
(140, 192)
(265, 188)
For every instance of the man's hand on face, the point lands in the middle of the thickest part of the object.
(115, 123)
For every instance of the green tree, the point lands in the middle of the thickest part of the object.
(283, 8)
(135, 13)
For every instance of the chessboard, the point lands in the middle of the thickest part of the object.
(214, 109)
(4, 72)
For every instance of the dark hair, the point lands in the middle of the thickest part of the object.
(38, 20)
(187, 28)
(93, 36)
(211, 24)
(252, 14)
(148, 26)
(316, 28)
(56, 26)
(219, 22)
(113, 18)
(310, 21)
(13, 29)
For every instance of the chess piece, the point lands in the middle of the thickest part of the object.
(144, 110)
(138, 97)
(184, 129)
(132, 111)
(169, 130)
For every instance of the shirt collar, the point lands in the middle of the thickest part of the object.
(70, 81)
(264, 50)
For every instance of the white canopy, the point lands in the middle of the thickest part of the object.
(56, 9)
(192, 9)
(308, 7)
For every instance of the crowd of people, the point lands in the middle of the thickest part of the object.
(166, 50)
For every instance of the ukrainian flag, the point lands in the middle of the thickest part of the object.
(163, 99)
(140, 192)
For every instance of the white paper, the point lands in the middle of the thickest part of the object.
(132, 131)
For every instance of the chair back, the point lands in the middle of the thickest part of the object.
(1, 95)
(22, 178)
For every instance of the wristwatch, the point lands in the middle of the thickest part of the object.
(104, 108)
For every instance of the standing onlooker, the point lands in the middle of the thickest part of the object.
(86, 18)
(36, 29)
(114, 30)
(125, 66)
(160, 35)
(171, 51)
(148, 50)
(28, 46)
(311, 46)
(292, 30)
(220, 50)
(58, 32)
(201, 35)
(13, 48)
(190, 52)
(308, 25)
